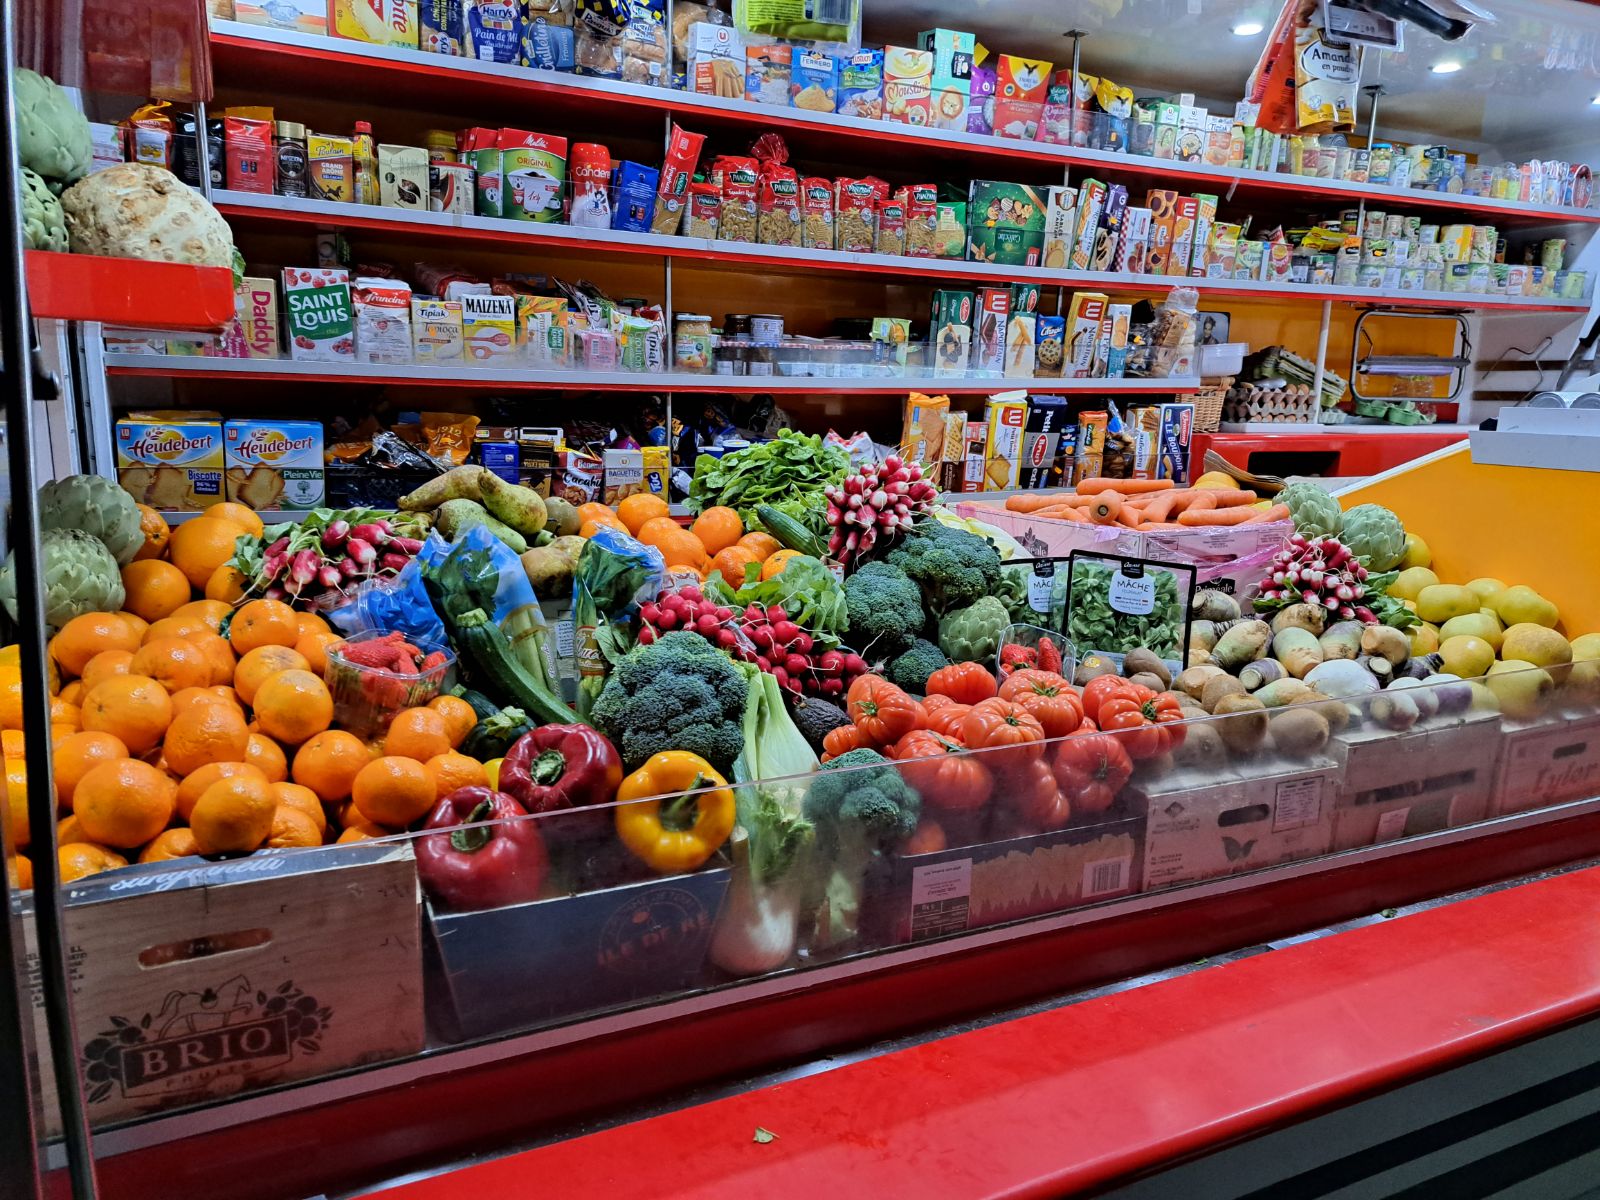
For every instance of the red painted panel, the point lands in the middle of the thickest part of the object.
(128, 291)
(1359, 453)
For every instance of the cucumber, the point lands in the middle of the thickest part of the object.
(789, 532)
(485, 648)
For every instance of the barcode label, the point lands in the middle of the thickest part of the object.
(831, 12)
(1105, 878)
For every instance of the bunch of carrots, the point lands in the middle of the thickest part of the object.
(1150, 504)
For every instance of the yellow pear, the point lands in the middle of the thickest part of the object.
(1481, 624)
(1536, 644)
(1521, 604)
(1522, 689)
(1467, 657)
(1440, 601)
(1409, 583)
(1486, 586)
(1586, 648)
(1417, 554)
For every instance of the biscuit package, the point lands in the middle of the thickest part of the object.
(950, 332)
(274, 464)
(1049, 352)
(1060, 218)
(171, 461)
(1004, 418)
(989, 340)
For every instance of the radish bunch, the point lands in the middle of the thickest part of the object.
(331, 552)
(1321, 571)
(874, 505)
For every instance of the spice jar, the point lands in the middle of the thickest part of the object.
(290, 146)
(691, 344)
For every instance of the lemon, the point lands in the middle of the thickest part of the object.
(1417, 554)
(1409, 583)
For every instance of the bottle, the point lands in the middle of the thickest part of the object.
(293, 164)
(366, 164)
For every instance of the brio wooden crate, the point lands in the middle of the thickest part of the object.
(1551, 762)
(196, 984)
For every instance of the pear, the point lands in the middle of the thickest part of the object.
(1522, 689)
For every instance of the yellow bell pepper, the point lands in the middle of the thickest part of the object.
(492, 770)
(666, 829)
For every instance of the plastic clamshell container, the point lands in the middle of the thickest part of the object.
(365, 699)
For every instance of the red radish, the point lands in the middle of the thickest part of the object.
(361, 550)
(372, 532)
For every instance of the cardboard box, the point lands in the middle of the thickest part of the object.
(907, 85)
(951, 81)
(436, 331)
(1547, 763)
(814, 82)
(716, 60)
(624, 474)
(274, 464)
(488, 329)
(195, 984)
(768, 71)
(1439, 775)
(256, 305)
(403, 177)
(989, 339)
(1050, 346)
(1019, 93)
(990, 202)
(1172, 441)
(1041, 435)
(1005, 245)
(1119, 317)
(1019, 344)
(1084, 315)
(1163, 207)
(1005, 416)
(172, 461)
(861, 85)
(381, 22)
(950, 331)
(1060, 225)
(1215, 822)
(1185, 213)
(320, 314)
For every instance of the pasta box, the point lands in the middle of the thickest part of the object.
(194, 984)
(1549, 762)
(532, 964)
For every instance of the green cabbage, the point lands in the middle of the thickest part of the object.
(43, 225)
(52, 135)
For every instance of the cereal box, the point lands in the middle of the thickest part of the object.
(993, 316)
(861, 85)
(767, 73)
(716, 61)
(256, 306)
(1084, 315)
(381, 22)
(436, 331)
(321, 319)
(488, 329)
(907, 85)
(274, 464)
(382, 320)
(171, 461)
(1005, 416)
(403, 177)
(814, 82)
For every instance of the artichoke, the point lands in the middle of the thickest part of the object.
(43, 225)
(97, 506)
(136, 210)
(52, 135)
(1375, 536)
(80, 576)
(1315, 513)
(973, 634)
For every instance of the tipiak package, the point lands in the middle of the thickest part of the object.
(321, 320)
(381, 22)
(274, 464)
(436, 331)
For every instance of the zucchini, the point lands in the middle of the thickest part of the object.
(493, 735)
(789, 532)
(481, 704)
(495, 666)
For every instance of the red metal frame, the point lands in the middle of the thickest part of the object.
(1359, 453)
(380, 1134)
(128, 291)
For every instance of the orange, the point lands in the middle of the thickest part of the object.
(656, 527)
(10, 698)
(134, 708)
(233, 814)
(593, 510)
(181, 625)
(292, 706)
(418, 733)
(393, 791)
(591, 527)
(210, 612)
(260, 665)
(173, 843)
(762, 545)
(240, 514)
(85, 636)
(13, 744)
(75, 860)
(314, 647)
(292, 829)
(263, 623)
(63, 712)
(364, 831)
(18, 831)
(329, 763)
(732, 562)
(75, 755)
(174, 663)
(20, 872)
(292, 795)
(200, 546)
(101, 668)
(717, 528)
(189, 697)
(134, 622)
(459, 718)
(266, 754)
(195, 785)
(157, 533)
(311, 623)
(218, 653)
(678, 546)
(775, 563)
(124, 803)
(205, 733)
(451, 771)
(73, 692)
(227, 584)
(155, 589)
(350, 816)
(633, 511)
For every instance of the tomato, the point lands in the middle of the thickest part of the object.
(1146, 727)
(842, 740)
(1048, 696)
(947, 779)
(999, 723)
(884, 711)
(1102, 687)
(932, 704)
(927, 838)
(1034, 797)
(946, 719)
(967, 682)
(1091, 770)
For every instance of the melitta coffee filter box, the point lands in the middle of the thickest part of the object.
(382, 22)
(274, 464)
(198, 985)
(171, 461)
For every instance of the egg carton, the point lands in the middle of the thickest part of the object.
(1292, 405)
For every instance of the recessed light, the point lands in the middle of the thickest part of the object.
(1248, 28)
(1447, 67)
(1596, 100)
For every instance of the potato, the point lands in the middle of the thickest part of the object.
(1244, 727)
(1217, 687)
(1146, 662)
(1298, 732)
(1144, 679)
(550, 568)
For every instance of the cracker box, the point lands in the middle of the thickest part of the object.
(273, 464)
(440, 27)
(1041, 436)
(171, 461)
(1104, 257)
(381, 22)
(320, 315)
(256, 305)
(952, 52)
(907, 85)
(436, 331)
(1060, 225)
(1005, 416)
(1050, 352)
(716, 61)
(1133, 246)
(1547, 763)
(814, 82)
(1205, 215)
(299, 16)
(767, 71)
(488, 329)
(1163, 207)
(1119, 317)
(1084, 315)
(207, 982)
(861, 85)
(1091, 204)
(922, 429)
(1089, 445)
(403, 177)
(950, 331)
(1184, 215)
(989, 340)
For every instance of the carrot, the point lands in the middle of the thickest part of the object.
(1237, 515)
(1028, 504)
(1147, 526)
(1061, 513)
(1229, 497)
(1159, 507)
(1123, 487)
(1278, 512)
(1105, 508)
(1130, 516)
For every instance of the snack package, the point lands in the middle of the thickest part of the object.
(702, 216)
(1326, 77)
(548, 45)
(837, 24)
(635, 196)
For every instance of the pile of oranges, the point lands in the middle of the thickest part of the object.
(716, 541)
(176, 734)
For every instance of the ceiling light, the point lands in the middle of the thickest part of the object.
(1596, 100)
(1446, 67)
(1247, 28)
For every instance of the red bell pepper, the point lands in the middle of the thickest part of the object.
(487, 866)
(559, 767)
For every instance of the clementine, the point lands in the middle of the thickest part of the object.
(76, 860)
(260, 665)
(195, 784)
(81, 638)
(170, 844)
(205, 733)
(19, 832)
(124, 803)
(393, 791)
(227, 584)
(75, 755)
(263, 623)
(459, 717)
(101, 668)
(292, 795)
(154, 588)
(174, 663)
(292, 706)
(717, 527)
(633, 511)
(329, 763)
(211, 612)
(265, 753)
(200, 546)
(157, 533)
(233, 814)
(451, 771)
(240, 514)
(292, 829)
(418, 733)
(313, 647)
(134, 708)
(218, 653)
(762, 545)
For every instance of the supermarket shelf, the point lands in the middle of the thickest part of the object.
(498, 231)
(332, 67)
(127, 291)
(178, 366)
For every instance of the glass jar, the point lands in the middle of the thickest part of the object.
(293, 164)
(691, 344)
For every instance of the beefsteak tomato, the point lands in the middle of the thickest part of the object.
(1048, 696)
(1091, 771)
(946, 719)
(946, 779)
(1102, 687)
(1147, 727)
(1011, 732)
(965, 683)
(886, 712)
(1034, 797)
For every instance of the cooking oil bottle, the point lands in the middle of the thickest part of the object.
(366, 164)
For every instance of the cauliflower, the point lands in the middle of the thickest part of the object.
(43, 225)
(52, 135)
(135, 210)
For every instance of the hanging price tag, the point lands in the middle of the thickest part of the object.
(1132, 591)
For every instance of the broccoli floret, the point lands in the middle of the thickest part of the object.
(911, 669)
(951, 566)
(678, 693)
(862, 807)
(885, 609)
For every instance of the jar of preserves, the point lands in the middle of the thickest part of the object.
(691, 344)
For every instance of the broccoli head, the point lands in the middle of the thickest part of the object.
(678, 693)
(885, 609)
(862, 807)
(951, 566)
(911, 669)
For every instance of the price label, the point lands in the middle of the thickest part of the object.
(1041, 586)
(1132, 594)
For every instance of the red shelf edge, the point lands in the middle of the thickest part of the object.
(128, 291)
